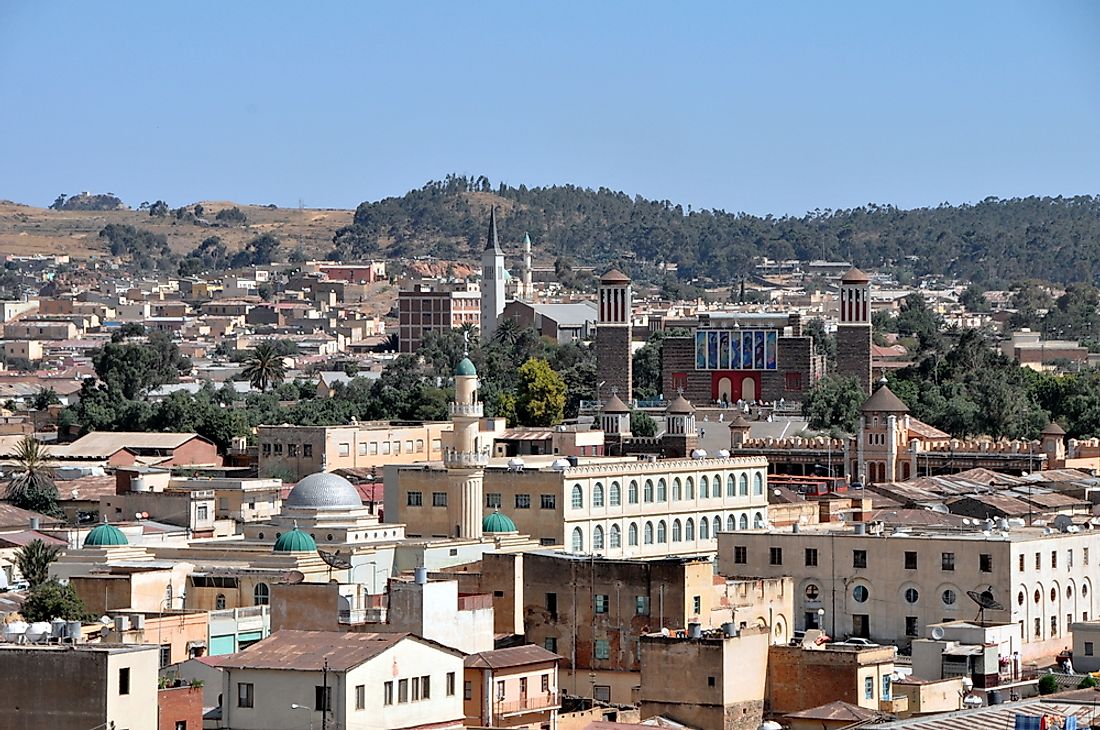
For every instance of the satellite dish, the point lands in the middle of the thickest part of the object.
(986, 602)
(334, 560)
(665, 632)
(966, 520)
(937, 632)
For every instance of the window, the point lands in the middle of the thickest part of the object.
(603, 649)
(689, 488)
(278, 449)
(704, 529)
(402, 691)
(523, 501)
(450, 684)
(731, 523)
(641, 605)
(1085, 556)
(1053, 558)
(886, 686)
(181, 725)
(775, 556)
(414, 499)
(552, 604)
(1053, 625)
(757, 483)
(468, 689)
(662, 532)
(632, 493)
(947, 561)
(597, 538)
(1069, 558)
(578, 496)
(758, 521)
(245, 695)
(704, 487)
(868, 688)
(616, 537)
(292, 449)
(985, 563)
(949, 597)
(859, 558)
(647, 491)
(740, 552)
(717, 526)
(689, 530)
(677, 531)
(1038, 561)
(649, 533)
(548, 501)
(545, 683)
(677, 490)
(912, 595)
(1021, 562)
(731, 486)
(493, 500)
(743, 521)
(261, 594)
(615, 498)
(597, 495)
(219, 602)
(360, 697)
(578, 540)
(202, 513)
(1088, 648)
(743, 485)
(322, 699)
(550, 644)
(425, 687)
(812, 592)
(861, 594)
(1038, 628)
(910, 625)
(165, 655)
(811, 557)
(344, 449)
(662, 490)
(632, 535)
(500, 689)
(439, 499)
(910, 560)
(696, 605)
(124, 682)
(266, 448)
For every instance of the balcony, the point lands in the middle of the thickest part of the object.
(537, 703)
(470, 410)
(469, 459)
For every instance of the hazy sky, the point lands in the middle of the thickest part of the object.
(769, 107)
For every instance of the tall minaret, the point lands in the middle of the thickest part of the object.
(492, 280)
(853, 334)
(614, 366)
(528, 288)
(465, 458)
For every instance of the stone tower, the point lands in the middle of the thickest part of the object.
(853, 334)
(1052, 440)
(465, 458)
(492, 280)
(680, 437)
(882, 453)
(614, 366)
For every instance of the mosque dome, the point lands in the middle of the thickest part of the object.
(465, 367)
(497, 522)
(324, 490)
(295, 541)
(105, 536)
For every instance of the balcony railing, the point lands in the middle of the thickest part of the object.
(534, 703)
(455, 458)
(471, 410)
(353, 616)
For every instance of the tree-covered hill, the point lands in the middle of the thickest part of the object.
(992, 242)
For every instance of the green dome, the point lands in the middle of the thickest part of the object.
(497, 522)
(465, 367)
(104, 536)
(295, 541)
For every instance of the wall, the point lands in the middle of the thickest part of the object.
(305, 606)
(432, 611)
(925, 698)
(367, 446)
(179, 704)
(799, 679)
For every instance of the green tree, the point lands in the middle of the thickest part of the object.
(34, 560)
(641, 424)
(51, 600)
(1048, 684)
(540, 397)
(824, 343)
(646, 369)
(158, 209)
(31, 487)
(264, 367)
(833, 403)
(44, 398)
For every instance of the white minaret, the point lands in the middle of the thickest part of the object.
(465, 458)
(492, 280)
(528, 288)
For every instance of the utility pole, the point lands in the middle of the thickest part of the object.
(324, 697)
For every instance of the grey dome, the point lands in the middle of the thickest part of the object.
(324, 491)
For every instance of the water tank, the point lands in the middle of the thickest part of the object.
(860, 528)
(73, 631)
(515, 463)
(421, 575)
(729, 629)
(695, 630)
(122, 623)
(723, 454)
(38, 631)
(560, 464)
(34, 523)
(57, 629)
(698, 454)
(995, 697)
(138, 621)
(137, 484)
(15, 631)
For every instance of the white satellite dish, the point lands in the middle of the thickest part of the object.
(937, 632)
(665, 631)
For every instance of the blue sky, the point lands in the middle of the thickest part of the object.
(769, 107)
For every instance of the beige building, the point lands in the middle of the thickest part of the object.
(359, 680)
(512, 687)
(889, 585)
(41, 329)
(78, 687)
(292, 452)
(807, 676)
(241, 500)
(616, 507)
(24, 349)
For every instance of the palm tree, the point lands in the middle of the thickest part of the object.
(264, 367)
(32, 485)
(508, 332)
(33, 561)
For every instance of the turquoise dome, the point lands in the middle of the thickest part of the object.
(497, 522)
(105, 536)
(295, 541)
(465, 367)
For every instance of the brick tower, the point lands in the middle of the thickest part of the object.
(614, 366)
(853, 334)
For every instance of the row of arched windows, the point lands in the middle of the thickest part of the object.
(658, 491)
(658, 532)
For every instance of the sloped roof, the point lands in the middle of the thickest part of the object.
(836, 711)
(921, 430)
(883, 400)
(106, 443)
(614, 276)
(615, 405)
(308, 650)
(680, 405)
(1053, 429)
(513, 656)
(854, 276)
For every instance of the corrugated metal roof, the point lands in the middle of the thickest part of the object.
(514, 656)
(997, 717)
(308, 650)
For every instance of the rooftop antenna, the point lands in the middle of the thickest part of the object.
(986, 602)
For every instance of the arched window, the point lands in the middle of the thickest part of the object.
(731, 524)
(677, 490)
(717, 525)
(731, 486)
(597, 538)
(662, 532)
(743, 522)
(689, 488)
(677, 531)
(632, 492)
(632, 534)
(662, 490)
(649, 533)
(743, 485)
(616, 537)
(647, 491)
(689, 530)
(261, 594)
(578, 540)
(716, 486)
(757, 483)
(616, 496)
(704, 529)
(704, 487)
(219, 602)
(578, 496)
(597, 495)
(758, 521)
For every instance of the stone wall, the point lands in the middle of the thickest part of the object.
(853, 352)
(614, 362)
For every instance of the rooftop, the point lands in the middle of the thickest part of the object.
(308, 650)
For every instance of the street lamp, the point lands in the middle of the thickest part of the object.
(821, 619)
(296, 706)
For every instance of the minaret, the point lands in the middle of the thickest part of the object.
(465, 458)
(528, 288)
(853, 334)
(614, 364)
(492, 280)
